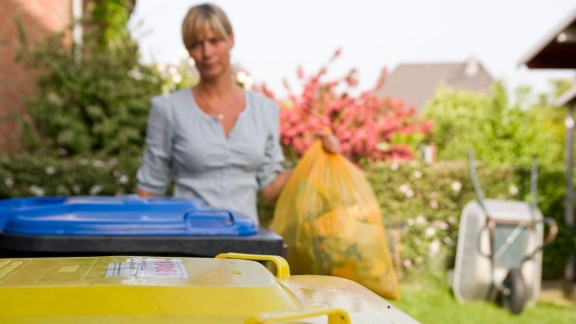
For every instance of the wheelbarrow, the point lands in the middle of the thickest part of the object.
(499, 251)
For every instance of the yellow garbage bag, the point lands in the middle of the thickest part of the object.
(331, 221)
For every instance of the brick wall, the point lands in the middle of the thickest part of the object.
(40, 18)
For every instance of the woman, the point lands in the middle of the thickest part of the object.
(220, 140)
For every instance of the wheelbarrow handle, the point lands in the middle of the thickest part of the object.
(549, 238)
(553, 230)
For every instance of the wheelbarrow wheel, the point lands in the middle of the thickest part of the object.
(514, 291)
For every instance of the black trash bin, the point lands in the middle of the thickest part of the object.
(128, 225)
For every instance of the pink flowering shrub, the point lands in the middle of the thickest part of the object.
(367, 126)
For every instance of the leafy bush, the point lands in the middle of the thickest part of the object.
(25, 175)
(500, 133)
(423, 203)
(368, 128)
(91, 99)
(111, 18)
(551, 200)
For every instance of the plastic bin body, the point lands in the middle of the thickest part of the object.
(90, 226)
(474, 273)
(122, 289)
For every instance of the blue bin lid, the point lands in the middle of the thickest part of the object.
(127, 215)
(9, 206)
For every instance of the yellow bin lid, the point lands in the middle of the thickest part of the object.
(228, 289)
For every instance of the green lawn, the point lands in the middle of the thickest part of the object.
(435, 304)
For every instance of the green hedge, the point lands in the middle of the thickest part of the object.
(421, 204)
(426, 202)
(29, 175)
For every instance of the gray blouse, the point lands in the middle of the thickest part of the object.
(227, 172)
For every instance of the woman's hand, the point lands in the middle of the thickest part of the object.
(144, 194)
(330, 143)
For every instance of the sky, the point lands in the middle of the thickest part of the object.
(275, 37)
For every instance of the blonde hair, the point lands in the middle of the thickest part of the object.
(201, 19)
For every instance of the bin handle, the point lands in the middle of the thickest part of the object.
(335, 315)
(282, 267)
(221, 218)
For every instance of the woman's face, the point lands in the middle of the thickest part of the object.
(212, 55)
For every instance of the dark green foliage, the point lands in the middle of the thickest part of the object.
(497, 131)
(90, 100)
(111, 18)
(425, 203)
(24, 175)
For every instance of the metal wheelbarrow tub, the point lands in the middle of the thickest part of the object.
(474, 273)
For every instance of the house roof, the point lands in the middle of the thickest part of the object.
(557, 49)
(416, 83)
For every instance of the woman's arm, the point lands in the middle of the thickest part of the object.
(155, 173)
(272, 191)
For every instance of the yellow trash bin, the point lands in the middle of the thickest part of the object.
(232, 288)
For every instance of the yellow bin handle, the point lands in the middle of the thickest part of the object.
(282, 267)
(335, 315)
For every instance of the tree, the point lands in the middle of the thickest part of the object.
(498, 132)
(110, 18)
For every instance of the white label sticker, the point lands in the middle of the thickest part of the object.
(147, 268)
